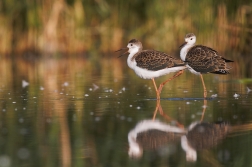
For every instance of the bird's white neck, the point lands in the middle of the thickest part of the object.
(184, 51)
(131, 63)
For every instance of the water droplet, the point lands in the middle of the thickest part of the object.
(5, 161)
(97, 119)
(248, 90)
(236, 95)
(214, 95)
(23, 153)
(24, 83)
(95, 87)
(65, 84)
(21, 120)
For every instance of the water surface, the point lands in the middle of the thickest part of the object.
(78, 112)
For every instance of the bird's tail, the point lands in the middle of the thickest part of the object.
(221, 71)
(226, 60)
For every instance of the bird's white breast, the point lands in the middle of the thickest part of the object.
(148, 74)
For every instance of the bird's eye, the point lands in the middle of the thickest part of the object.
(131, 44)
(191, 38)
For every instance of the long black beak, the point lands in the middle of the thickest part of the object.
(181, 46)
(121, 50)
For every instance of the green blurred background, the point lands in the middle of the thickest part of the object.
(79, 26)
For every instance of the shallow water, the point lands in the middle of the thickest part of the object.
(78, 112)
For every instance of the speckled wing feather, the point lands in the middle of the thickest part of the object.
(154, 60)
(206, 60)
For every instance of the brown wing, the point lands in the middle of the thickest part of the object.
(206, 60)
(154, 60)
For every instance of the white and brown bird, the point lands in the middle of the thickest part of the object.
(202, 59)
(150, 64)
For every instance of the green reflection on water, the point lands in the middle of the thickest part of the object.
(62, 119)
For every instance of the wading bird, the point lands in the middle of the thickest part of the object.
(202, 59)
(149, 64)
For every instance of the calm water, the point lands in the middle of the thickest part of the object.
(78, 112)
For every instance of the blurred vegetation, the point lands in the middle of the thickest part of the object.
(77, 26)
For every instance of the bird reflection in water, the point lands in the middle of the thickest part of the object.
(154, 135)
(151, 135)
(202, 135)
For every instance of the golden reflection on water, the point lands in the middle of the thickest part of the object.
(68, 117)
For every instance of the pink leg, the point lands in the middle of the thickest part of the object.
(204, 87)
(158, 98)
(174, 76)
